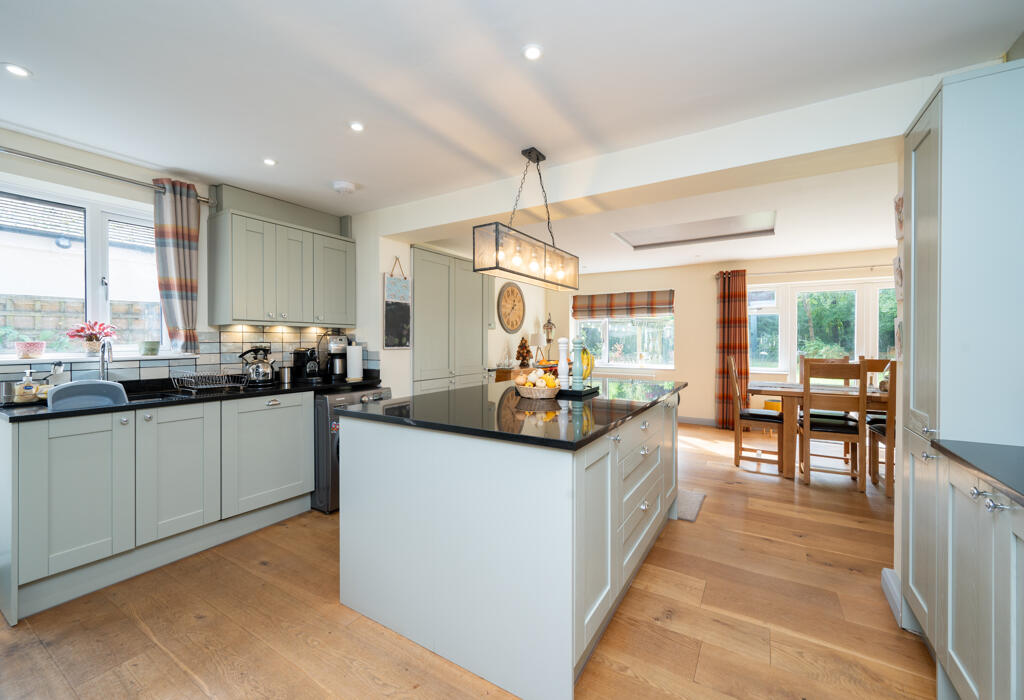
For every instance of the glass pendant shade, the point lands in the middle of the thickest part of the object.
(505, 252)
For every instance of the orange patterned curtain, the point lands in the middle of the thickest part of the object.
(732, 340)
(176, 227)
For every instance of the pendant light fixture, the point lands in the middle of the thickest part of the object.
(502, 251)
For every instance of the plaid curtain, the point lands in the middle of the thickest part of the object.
(623, 305)
(176, 219)
(732, 340)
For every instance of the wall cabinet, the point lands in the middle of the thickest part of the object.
(268, 272)
(449, 319)
(76, 492)
(266, 451)
(177, 475)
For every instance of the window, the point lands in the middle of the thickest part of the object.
(787, 321)
(70, 259)
(638, 341)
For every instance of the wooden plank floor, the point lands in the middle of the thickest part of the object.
(773, 593)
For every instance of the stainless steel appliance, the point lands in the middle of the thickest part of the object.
(258, 366)
(325, 493)
(306, 365)
(337, 357)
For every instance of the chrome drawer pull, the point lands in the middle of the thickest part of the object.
(124, 421)
(993, 507)
(616, 438)
(273, 402)
(645, 505)
(147, 417)
(925, 455)
(644, 451)
(645, 425)
(975, 492)
(929, 431)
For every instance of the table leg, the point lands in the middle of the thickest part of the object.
(789, 417)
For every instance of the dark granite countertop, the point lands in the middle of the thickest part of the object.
(161, 392)
(497, 411)
(1002, 463)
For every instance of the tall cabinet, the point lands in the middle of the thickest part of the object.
(964, 166)
(449, 322)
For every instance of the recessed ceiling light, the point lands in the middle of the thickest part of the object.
(356, 126)
(532, 52)
(17, 70)
(269, 161)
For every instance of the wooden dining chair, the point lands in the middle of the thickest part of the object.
(884, 432)
(844, 428)
(752, 418)
(845, 359)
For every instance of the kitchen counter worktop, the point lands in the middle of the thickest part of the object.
(161, 392)
(496, 411)
(1003, 463)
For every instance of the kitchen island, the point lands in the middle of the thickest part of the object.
(499, 532)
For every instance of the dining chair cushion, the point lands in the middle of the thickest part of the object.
(878, 428)
(761, 414)
(833, 425)
(874, 418)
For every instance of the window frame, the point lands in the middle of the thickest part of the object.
(602, 362)
(99, 209)
(786, 293)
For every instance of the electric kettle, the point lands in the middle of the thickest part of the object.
(258, 367)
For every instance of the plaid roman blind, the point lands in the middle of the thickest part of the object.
(623, 304)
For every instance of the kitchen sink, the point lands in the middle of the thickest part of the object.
(86, 393)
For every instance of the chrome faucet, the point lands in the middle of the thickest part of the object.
(106, 357)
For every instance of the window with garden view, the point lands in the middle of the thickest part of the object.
(638, 341)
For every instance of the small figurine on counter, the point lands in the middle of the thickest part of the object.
(523, 353)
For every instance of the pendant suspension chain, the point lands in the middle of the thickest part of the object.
(544, 192)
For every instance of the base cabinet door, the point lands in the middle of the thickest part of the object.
(1009, 602)
(334, 281)
(76, 492)
(920, 535)
(964, 617)
(177, 469)
(266, 451)
(596, 552)
(668, 453)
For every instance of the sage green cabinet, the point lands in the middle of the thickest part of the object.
(450, 313)
(334, 281)
(266, 451)
(921, 474)
(76, 492)
(177, 469)
(295, 277)
(270, 273)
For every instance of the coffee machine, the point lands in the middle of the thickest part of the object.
(337, 357)
(306, 365)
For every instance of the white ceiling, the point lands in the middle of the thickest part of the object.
(829, 213)
(209, 89)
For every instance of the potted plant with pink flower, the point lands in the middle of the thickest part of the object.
(91, 333)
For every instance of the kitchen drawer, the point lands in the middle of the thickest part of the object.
(644, 428)
(641, 523)
(634, 469)
(261, 403)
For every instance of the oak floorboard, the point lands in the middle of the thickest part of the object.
(152, 675)
(26, 668)
(738, 676)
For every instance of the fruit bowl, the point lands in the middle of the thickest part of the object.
(29, 349)
(537, 392)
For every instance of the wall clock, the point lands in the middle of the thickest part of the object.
(511, 307)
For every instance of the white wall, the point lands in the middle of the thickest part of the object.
(498, 341)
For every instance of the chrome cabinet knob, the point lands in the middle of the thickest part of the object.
(273, 402)
(147, 417)
(644, 451)
(645, 425)
(124, 421)
(993, 507)
(284, 315)
(925, 455)
(616, 438)
(975, 492)
(645, 505)
(270, 314)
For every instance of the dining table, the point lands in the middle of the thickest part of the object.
(792, 394)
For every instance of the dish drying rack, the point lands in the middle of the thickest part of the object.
(209, 381)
